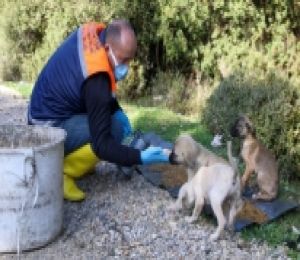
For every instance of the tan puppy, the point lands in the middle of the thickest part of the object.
(212, 184)
(192, 155)
(258, 159)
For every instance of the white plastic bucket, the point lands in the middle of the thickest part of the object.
(31, 195)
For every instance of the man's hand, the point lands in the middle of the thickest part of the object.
(120, 126)
(154, 155)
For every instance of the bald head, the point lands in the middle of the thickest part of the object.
(121, 36)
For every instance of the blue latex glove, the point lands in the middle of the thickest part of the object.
(154, 155)
(120, 126)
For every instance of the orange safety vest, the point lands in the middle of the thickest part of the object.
(93, 57)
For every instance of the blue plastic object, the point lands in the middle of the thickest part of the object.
(154, 154)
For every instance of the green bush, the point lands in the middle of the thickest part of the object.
(274, 107)
(34, 29)
(216, 38)
(184, 27)
(23, 27)
(188, 37)
(144, 17)
(178, 41)
(59, 19)
(170, 90)
(133, 86)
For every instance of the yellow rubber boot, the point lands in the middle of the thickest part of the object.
(71, 191)
(77, 164)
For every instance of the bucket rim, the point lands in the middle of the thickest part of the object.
(62, 134)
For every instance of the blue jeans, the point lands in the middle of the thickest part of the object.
(78, 132)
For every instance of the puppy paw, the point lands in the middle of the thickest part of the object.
(190, 219)
(256, 196)
(243, 183)
(230, 228)
(173, 207)
(213, 237)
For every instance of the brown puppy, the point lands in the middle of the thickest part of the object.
(192, 155)
(258, 159)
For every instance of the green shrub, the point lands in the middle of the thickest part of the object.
(170, 90)
(34, 29)
(184, 27)
(41, 25)
(144, 17)
(274, 107)
(192, 38)
(174, 91)
(22, 29)
(174, 35)
(133, 86)
(66, 17)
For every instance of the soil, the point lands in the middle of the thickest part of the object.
(172, 175)
(252, 213)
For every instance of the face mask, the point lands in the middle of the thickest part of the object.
(120, 70)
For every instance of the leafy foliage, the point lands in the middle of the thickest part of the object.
(34, 29)
(185, 49)
(174, 35)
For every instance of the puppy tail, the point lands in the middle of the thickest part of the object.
(236, 183)
(232, 161)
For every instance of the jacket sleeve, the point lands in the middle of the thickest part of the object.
(100, 105)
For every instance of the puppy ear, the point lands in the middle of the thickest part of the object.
(253, 130)
(241, 116)
(192, 164)
(192, 155)
(250, 126)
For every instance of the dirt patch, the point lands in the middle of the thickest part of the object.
(13, 108)
(172, 175)
(252, 213)
(21, 136)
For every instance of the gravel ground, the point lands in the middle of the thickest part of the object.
(128, 219)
